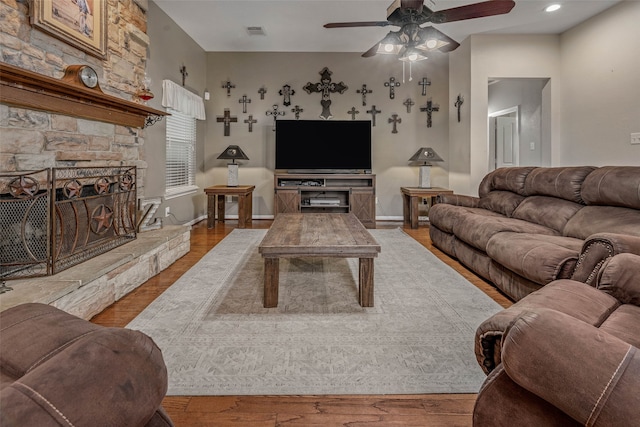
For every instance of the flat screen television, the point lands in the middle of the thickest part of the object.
(323, 146)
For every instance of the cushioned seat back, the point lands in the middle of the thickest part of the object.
(613, 186)
(612, 194)
(505, 179)
(562, 182)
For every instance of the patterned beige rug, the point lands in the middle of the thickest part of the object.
(217, 339)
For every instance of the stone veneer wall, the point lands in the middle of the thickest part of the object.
(32, 140)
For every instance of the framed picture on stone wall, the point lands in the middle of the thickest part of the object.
(79, 23)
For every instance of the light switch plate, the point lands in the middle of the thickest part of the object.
(635, 138)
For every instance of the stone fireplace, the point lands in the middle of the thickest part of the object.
(56, 218)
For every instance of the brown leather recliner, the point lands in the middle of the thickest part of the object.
(567, 354)
(57, 369)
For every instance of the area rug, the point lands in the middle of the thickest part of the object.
(218, 339)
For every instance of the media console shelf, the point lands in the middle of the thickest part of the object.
(331, 193)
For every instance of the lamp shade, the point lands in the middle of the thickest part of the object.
(391, 44)
(233, 152)
(426, 155)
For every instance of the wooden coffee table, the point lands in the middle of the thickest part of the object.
(337, 235)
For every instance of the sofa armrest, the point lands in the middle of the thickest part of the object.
(620, 278)
(578, 300)
(458, 200)
(112, 376)
(588, 374)
(597, 249)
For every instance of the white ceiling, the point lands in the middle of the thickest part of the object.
(297, 26)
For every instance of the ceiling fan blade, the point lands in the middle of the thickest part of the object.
(356, 24)
(371, 51)
(471, 11)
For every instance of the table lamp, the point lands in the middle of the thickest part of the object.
(425, 155)
(234, 153)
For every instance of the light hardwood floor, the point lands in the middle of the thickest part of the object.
(432, 410)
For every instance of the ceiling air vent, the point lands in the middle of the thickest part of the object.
(256, 31)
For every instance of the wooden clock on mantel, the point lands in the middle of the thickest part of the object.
(82, 75)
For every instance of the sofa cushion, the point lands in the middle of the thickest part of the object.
(505, 179)
(476, 230)
(444, 216)
(613, 186)
(541, 259)
(624, 324)
(548, 211)
(603, 219)
(561, 182)
(503, 202)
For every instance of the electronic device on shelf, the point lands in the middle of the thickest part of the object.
(325, 201)
(323, 146)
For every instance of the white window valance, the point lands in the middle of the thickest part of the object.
(180, 99)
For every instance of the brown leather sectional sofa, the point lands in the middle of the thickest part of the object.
(533, 225)
(565, 355)
(57, 369)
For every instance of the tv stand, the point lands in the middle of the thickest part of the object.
(333, 193)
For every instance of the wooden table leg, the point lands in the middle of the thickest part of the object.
(406, 208)
(365, 287)
(221, 207)
(271, 278)
(413, 209)
(249, 208)
(244, 210)
(211, 210)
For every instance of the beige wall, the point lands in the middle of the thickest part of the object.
(171, 48)
(250, 71)
(600, 62)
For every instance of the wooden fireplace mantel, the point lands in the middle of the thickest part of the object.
(27, 89)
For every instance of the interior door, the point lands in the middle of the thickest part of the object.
(506, 142)
(505, 138)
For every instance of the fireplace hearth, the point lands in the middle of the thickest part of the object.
(55, 218)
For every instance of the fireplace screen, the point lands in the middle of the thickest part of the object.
(53, 219)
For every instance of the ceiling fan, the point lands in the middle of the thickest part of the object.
(412, 41)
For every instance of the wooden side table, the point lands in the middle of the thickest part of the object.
(215, 194)
(411, 201)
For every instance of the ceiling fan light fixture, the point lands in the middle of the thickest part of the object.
(390, 44)
(432, 44)
(411, 54)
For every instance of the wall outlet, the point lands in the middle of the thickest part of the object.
(635, 138)
(167, 211)
(532, 146)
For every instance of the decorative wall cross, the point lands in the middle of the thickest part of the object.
(409, 103)
(228, 86)
(373, 113)
(458, 104)
(275, 113)
(250, 121)
(364, 91)
(262, 91)
(297, 110)
(424, 83)
(287, 92)
(392, 84)
(227, 120)
(430, 108)
(244, 101)
(326, 88)
(353, 113)
(183, 71)
(395, 120)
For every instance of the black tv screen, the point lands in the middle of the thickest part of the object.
(323, 145)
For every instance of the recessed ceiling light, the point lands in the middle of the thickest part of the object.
(552, 8)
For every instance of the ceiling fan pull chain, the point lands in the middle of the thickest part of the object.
(410, 75)
(403, 72)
